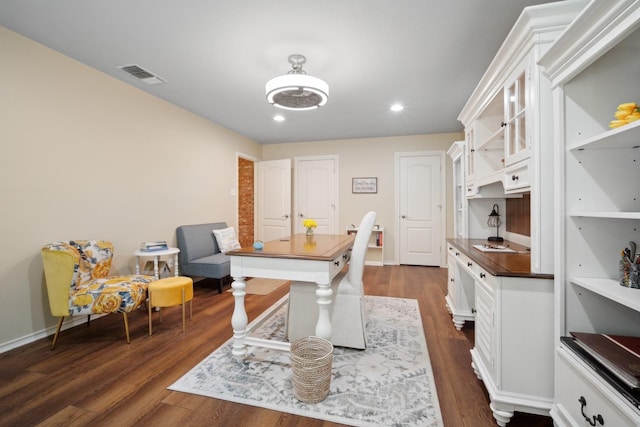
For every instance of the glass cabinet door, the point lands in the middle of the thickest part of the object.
(469, 155)
(516, 147)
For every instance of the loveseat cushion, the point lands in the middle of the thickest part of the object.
(215, 266)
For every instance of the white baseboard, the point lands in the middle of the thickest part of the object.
(35, 336)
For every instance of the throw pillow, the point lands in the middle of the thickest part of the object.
(226, 238)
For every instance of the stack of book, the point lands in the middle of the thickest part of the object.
(620, 355)
(154, 246)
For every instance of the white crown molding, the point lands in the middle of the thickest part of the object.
(601, 25)
(536, 25)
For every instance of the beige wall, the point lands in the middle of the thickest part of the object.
(372, 157)
(87, 156)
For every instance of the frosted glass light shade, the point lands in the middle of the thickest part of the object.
(297, 92)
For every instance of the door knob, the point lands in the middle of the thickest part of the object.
(403, 216)
(285, 216)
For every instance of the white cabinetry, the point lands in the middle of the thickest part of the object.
(513, 352)
(593, 67)
(460, 297)
(459, 206)
(513, 313)
(508, 124)
(375, 251)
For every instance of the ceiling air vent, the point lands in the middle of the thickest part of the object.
(141, 74)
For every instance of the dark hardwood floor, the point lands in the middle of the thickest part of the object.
(94, 378)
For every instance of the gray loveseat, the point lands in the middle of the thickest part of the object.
(199, 253)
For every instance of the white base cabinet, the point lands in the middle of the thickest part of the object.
(513, 313)
(460, 297)
(513, 352)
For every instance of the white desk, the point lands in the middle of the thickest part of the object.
(293, 258)
(156, 256)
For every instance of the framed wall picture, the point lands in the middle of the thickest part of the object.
(364, 185)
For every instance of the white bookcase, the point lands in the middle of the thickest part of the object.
(375, 252)
(595, 66)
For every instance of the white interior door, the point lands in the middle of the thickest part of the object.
(316, 193)
(420, 202)
(273, 199)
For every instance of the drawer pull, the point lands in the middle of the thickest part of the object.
(514, 177)
(336, 263)
(482, 275)
(469, 264)
(457, 253)
(596, 418)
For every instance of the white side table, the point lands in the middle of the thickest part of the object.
(156, 256)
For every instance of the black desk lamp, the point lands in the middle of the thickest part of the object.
(494, 221)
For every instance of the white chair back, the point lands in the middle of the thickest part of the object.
(359, 251)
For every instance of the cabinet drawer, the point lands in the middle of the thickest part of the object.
(472, 190)
(579, 390)
(516, 177)
(481, 274)
(462, 260)
(337, 264)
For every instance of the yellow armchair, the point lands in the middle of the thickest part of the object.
(76, 273)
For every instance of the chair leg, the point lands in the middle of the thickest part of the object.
(126, 327)
(183, 311)
(55, 337)
(149, 313)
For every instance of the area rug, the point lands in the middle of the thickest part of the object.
(388, 384)
(261, 286)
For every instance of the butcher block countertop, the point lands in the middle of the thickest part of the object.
(510, 264)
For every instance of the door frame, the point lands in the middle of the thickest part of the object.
(443, 198)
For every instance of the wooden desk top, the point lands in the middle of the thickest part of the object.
(516, 264)
(320, 247)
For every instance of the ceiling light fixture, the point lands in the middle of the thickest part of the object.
(278, 118)
(397, 107)
(296, 90)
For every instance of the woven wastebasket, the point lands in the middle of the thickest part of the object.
(311, 360)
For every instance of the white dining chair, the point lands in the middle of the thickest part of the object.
(347, 313)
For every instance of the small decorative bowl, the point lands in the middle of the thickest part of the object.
(258, 245)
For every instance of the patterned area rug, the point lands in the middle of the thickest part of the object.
(388, 384)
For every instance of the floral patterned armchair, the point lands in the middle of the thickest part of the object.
(77, 279)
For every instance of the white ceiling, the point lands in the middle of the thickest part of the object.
(216, 56)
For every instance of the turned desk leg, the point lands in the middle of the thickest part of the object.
(239, 318)
(323, 327)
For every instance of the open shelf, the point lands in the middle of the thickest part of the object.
(611, 290)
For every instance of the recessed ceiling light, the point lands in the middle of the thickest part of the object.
(397, 107)
(278, 118)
